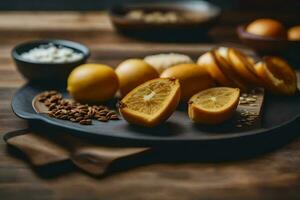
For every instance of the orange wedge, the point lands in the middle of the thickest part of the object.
(277, 75)
(208, 61)
(214, 105)
(152, 102)
(228, 70)
(243, 67)
(251, 60)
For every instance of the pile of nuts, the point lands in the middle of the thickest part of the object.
(67, 109)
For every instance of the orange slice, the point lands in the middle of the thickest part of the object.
(152, 102)
(208, 61)
(243, 67)
(277, 75)
(228, 70)
(214, 105)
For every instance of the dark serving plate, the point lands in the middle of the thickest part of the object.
(278, 114)
(180, 31)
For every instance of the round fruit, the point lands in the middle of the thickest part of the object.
(214, 105)
(165, 60)
(152, 102)
(132, 73)
(208, 61)
(192, 79)
(228, 70)
(92, 83)
(294, 33)
(242, 66)
(277, 76)
(267, 28)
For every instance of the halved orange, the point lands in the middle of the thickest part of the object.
(277, 75)
(214, 105)
(251, 60)
(241, 64)
(228, 70)
(152, 102)
(208, 61)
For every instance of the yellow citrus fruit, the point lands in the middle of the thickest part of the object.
(132, 73)
(214, 105)
(277, 75)
(242, 66)
(228, 70)
(294, 33)
(208, 61)
(267, 28)
(192, 79)
(251, 60)
(152, 102)
(92, 83)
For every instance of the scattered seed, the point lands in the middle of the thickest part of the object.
(243, 102)
(102, 119)
(86, 122)
(253, 104)
(114, 117)
(249, 99)
(72, 119)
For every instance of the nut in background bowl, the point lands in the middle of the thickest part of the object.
(47, 73)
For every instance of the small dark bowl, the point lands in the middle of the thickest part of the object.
(267, 45)
(47, 73)
(189, 30)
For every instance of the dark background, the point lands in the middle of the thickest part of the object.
(271, 5)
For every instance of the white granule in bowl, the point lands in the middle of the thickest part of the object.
(51, 53)
(163, 61)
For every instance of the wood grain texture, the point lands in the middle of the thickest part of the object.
(271, 176)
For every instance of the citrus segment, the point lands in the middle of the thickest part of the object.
(243, 67)
(227, 69)
(277, 75)
(213, 106)
(208, 61)
(152, 102)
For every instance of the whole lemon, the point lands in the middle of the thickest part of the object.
(192, 78)
(134, 72)
(92, 83)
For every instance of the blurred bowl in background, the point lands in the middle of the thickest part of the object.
(47, 73)
(179, 21)
(267, 45)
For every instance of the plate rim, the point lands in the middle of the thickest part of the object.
(231, 136)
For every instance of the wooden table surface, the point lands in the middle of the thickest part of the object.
(273, 176)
